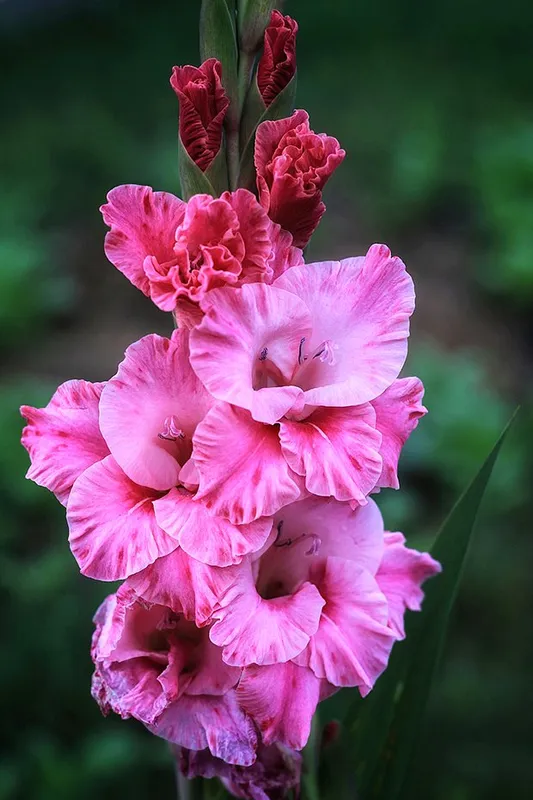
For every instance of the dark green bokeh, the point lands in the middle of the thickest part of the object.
(432, 103)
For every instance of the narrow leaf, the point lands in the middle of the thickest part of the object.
(382, 730)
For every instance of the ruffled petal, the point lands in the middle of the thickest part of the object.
(247, 336)
(243, 475)
(207, 538)
(143, 223)
(400, 577)
(153, 389)
(282, 699)
(353, 643)
(113, 530)
(184, 585)
(215, 722)
(252, 630)
(360, 309)
(64, 438)
(398, 410)
(336, 449)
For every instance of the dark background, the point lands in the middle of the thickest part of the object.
(433, 104)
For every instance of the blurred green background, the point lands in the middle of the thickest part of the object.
(433, 104)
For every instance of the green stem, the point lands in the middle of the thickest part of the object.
(233, 143)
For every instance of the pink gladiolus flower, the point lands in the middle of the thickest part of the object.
(154, 665)
(293, 165)
(176, 252)
(120, 460)
(203, 106)
(312, 353)
(297, 645)
(277, 65)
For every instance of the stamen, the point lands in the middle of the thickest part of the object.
(313, 548)
(263, 354)
(326, 352)
(301, 357)
(171, 431)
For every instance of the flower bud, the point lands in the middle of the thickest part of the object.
(203, 106)
(293, 164)
(278, 62)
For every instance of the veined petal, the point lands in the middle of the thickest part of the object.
(360, 309)
(336, 449)
(398, 410)
(143, 223)
(154, 384)
(282, 699)
(210, 539)
(400, 577)
(253, 630)
(113, 530)
(214, 722)
(64, 438)
(243, 475)
(183, 584)
(247, 336)
(353, 642)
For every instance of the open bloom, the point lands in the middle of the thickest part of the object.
(306, 371)
(203, 106)
(277, 64)
(176, 252)
(119, 458)
(320, 609)
(154, 665)
(293, 164)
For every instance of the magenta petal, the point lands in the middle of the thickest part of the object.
(398, 410)
(246, 335)
(282, 699)
(214, 722)
(64, 438)
(243, 475)
(143, 223)
(353, 643)
(360, 309)
(183, 584)
(400, 577)
(113, 530)
(252, 630)
(337, 449)
(154, 384)
(212, 540)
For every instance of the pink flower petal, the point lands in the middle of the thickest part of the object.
(64, 438)
(337, 449)
(309, 531)
(282, 699)
(398, 410)
(212, 540)
(214, 722)
(247, 335)
(143, 223)
(183, 584)
(353, 643)
(360, 309)
(113, 530)
(400, 576)
(154, 386)
(243, 475)
(253, 630)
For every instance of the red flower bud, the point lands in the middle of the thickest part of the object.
(293, 164)
(278, 62)
(203, 106)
